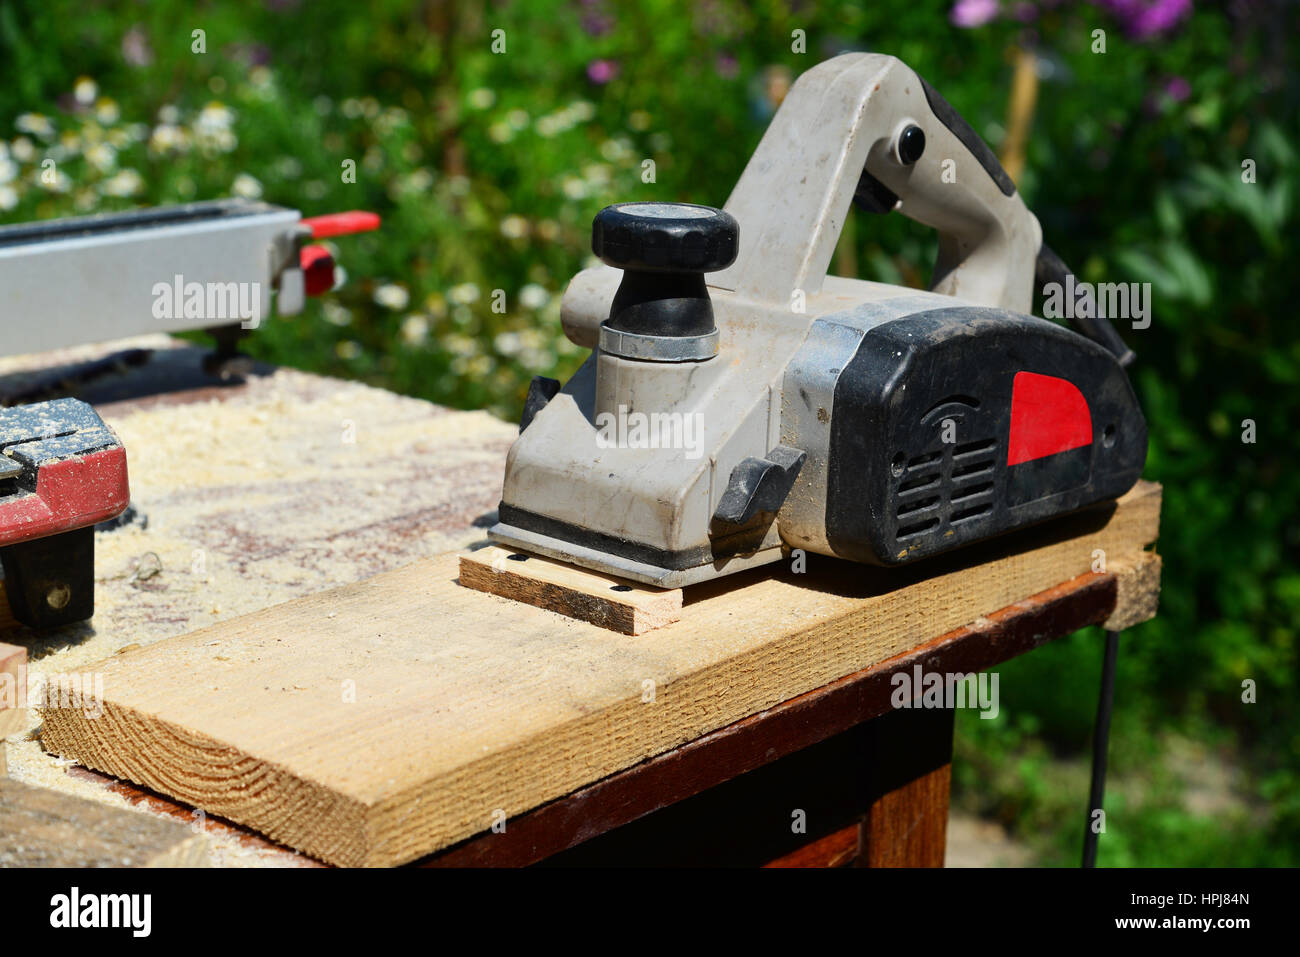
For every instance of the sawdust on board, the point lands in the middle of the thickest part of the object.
(289, 485)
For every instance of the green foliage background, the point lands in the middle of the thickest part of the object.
(488, 169)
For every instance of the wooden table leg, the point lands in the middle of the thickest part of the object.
(840, 848)
(874, 795)
(906, 823)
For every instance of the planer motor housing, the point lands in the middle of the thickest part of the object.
(954, 425)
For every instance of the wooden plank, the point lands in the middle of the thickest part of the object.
(13, 689)
(378, 722)
(728, 753)
(44, 828)
(789, 727)
(614, 603)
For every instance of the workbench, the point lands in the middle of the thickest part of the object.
(775, 740)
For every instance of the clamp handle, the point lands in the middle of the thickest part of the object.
(341, 224)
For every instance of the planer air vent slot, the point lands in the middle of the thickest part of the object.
(918, 483)
(971, 469)
(917, 528)
(971, 491)
(918, 505)
(939, 490)
(973, 512)
(970, 448)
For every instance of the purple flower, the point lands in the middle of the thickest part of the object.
(1143, 19)
(727, 66)
(972, 13)
(1177, 89)
(601, 71)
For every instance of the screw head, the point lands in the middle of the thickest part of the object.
(58, 597)
(911, 144)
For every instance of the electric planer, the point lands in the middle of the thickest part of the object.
(739, 403)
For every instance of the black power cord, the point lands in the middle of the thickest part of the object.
(1100, 740)
(1050, 268)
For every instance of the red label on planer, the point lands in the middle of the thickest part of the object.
(1048, 415)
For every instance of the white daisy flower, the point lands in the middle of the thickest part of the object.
(392, 295)
(246, 186)
(533, 296)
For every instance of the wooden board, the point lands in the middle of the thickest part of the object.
(708, 763)
(378, 722)
(785, 730)
(613, 603)
(44, 828)
(13, 689)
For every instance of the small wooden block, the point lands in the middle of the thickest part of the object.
(603, 600)
(13, 689)
(1139, 591)
(44, 828)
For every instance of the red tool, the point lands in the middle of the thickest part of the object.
(62, 470)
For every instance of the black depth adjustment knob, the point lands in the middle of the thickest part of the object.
(662, 311)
